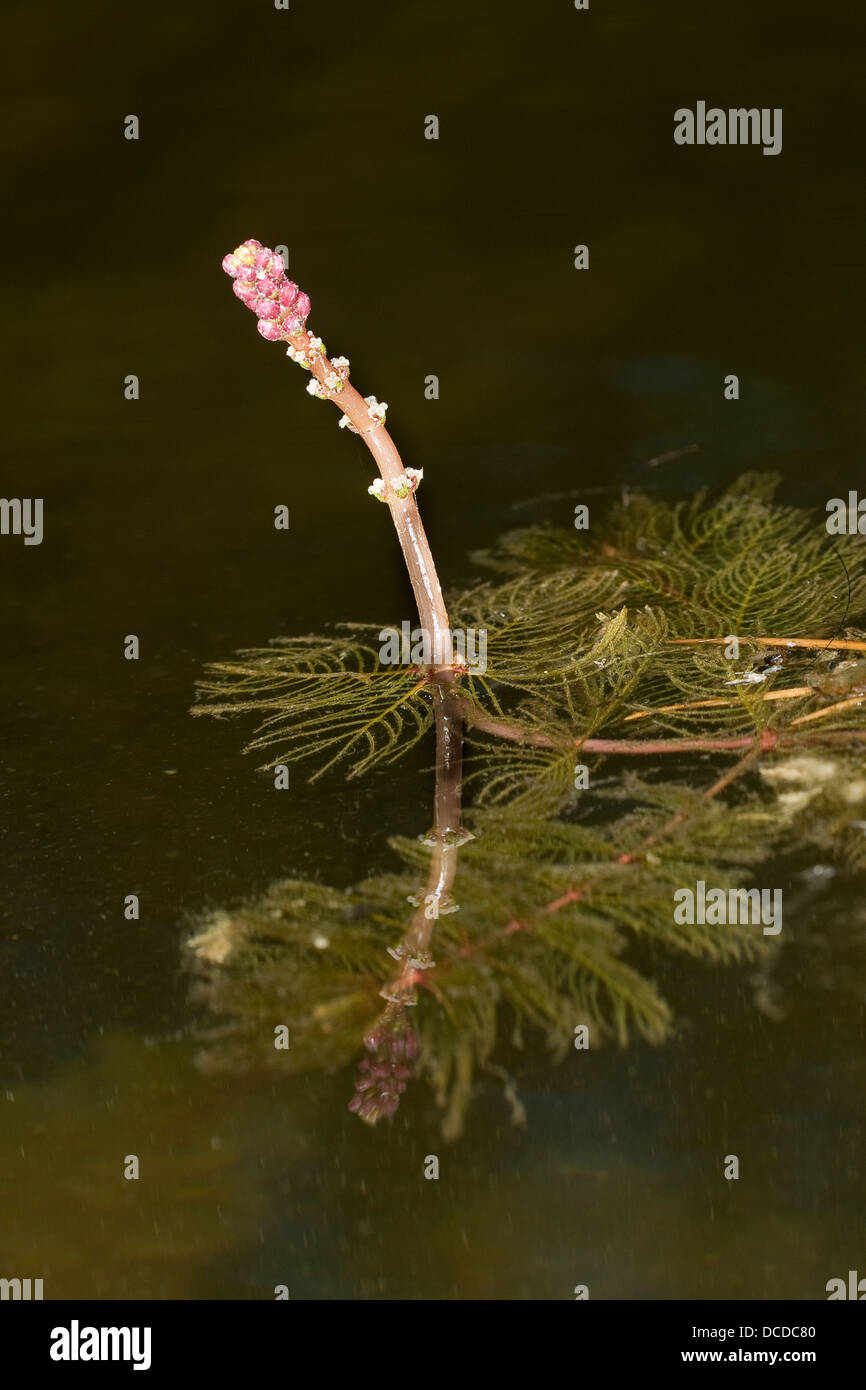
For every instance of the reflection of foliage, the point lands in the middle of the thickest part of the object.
(558, 886)
(312, 957)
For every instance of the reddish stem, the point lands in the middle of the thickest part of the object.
(404, 510)
(769, 738)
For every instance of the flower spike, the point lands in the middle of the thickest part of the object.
(260, 282)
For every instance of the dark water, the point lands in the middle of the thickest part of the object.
(455, 258)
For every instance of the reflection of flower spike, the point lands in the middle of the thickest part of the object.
(382, 1076)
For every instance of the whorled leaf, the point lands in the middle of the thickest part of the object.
(321, 696)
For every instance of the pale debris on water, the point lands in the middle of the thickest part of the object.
(216, 943)
(806, 777)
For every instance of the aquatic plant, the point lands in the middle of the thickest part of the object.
(713, 641)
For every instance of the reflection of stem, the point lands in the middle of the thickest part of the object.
(392, 1043)
(718, 786)
(446, 836)
(582, 891)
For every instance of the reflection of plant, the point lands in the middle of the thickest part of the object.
(383, 1075)
(550, 907)
(622, 645)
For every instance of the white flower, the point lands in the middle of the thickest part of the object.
(341, 363)
(316, 345)
(376, 410)
(377, 490)
(297, 356)
(346, 424)
(333, 382)
(314, 388)
(409, 481)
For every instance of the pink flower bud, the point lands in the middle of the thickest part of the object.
(272, 331)
(259, 276)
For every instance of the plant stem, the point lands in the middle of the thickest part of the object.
(830, 643)
(791, 692)
(444, 675)
(404, 510)
(648, 746)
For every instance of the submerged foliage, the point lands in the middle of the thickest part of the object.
(565, 894)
